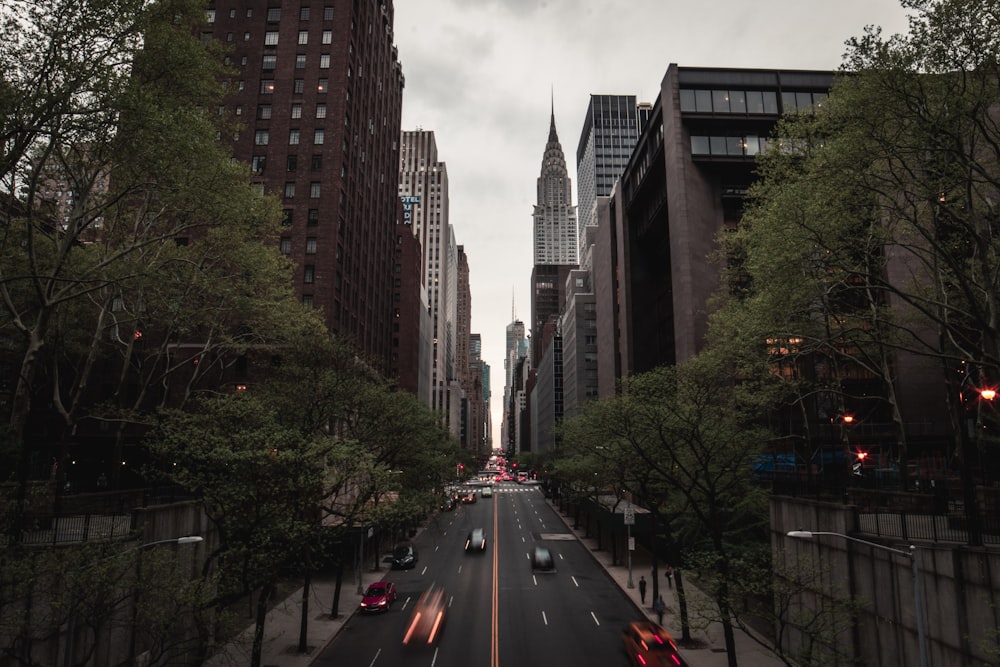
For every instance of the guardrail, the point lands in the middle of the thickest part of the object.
(69, 529)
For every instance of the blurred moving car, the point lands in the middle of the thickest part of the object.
(428, 616)
(404, 557)
(447, 505)
(476, 540)
(379, 596)
(487, 492)
(541, 560)
(469, 498)
(648, 644)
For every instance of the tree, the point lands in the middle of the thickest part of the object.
(114, 103)
(869, 237)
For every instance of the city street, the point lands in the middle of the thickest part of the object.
(500, 612)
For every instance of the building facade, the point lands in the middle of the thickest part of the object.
(423, 187)
(319, 92)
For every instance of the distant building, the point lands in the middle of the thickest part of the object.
(423, 187)
(555, 233)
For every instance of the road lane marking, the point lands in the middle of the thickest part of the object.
(435, 658)
(377, 654)
(594, 616)
(423, 571)
(495, 605)
(460, 569)
(575, 582)
(544, 619)
(534, 579)
(408, 598)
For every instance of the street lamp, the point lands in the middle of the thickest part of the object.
(918, 598)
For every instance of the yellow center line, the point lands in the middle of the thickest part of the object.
(495, 632)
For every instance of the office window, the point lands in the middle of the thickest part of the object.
(303, 13)
(311, 245)
(293, 137)
(263, 111)
(267, 86)
(260, 137)
(289, 189)
(314, 190)
(318, 136)
(328, 13)
(324, 61)
(303, 37)
(269, 63)
(322, 85)
(327, 37)
(300, 61)
(321, 111)
(312, 217)
(273, 14)
(299, 86)
(291, 162)
(317, 162)
(308, 273)
(286, 245)
(270, 38)
(296, 111)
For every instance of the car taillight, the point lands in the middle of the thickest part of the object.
(641, 659)
(676, 658)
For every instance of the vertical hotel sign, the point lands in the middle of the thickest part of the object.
(408, 203)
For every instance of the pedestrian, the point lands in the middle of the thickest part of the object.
(642, 589)
(659, 607)
(669, 574)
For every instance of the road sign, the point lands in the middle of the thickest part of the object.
(629, 516)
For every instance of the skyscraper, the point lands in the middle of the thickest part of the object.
(555, 235)
(319, 92)
(610, 129)
(423, 185)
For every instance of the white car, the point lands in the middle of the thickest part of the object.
(487, 492)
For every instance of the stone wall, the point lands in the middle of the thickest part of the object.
(960, 589)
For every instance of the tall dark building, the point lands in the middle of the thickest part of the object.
(318, 88)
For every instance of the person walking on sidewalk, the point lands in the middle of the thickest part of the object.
(669, 574)
(659, 607)
(642, 589)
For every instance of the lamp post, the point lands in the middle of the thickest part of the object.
(918, 598)
(186, 539)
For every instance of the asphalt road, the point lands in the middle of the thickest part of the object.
(500, 613)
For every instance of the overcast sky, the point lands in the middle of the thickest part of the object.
(482, 75)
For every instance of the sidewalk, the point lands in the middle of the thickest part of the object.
(283, 621)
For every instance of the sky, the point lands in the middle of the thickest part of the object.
(484, 75)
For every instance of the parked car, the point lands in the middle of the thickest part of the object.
(379, 597)
(447, 505)
(404, 557)
(428, 617)
(541, 560)
(649, 645)
(475, 541)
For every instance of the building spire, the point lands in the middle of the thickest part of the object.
(553, 136)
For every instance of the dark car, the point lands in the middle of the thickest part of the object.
(404, 557)
(476, 540)
(647, 643)
(447, 505)
(469, 497)
(379, 597)
(541, 560)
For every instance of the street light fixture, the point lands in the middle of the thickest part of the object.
(918, 598)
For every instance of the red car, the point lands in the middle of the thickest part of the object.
(649, 645)
(379, 597)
